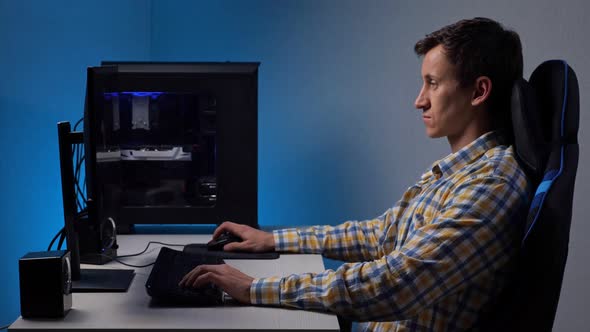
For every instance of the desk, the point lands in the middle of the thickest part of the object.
(130, 311)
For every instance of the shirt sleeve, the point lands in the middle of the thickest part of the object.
(473, 236)
(350, 241)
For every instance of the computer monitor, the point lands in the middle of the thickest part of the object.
(172, 143)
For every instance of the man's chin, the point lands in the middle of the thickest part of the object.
(433, 134)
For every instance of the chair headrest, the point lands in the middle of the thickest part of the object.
(557, 91)
(528, 138)
(544, 112)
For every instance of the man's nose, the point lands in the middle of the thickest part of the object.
(421, 101)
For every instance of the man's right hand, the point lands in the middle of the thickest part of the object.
(253, 240)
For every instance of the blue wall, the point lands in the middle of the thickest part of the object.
(312, 140)
(46, 47)
(329, 97)
(317, 129)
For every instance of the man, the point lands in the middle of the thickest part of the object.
(438, 259)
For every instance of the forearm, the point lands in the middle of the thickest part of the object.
(396, 287)
(358, 291)
(351, 241)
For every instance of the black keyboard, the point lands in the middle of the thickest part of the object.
(170, 267)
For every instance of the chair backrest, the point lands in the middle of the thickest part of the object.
(545, 116)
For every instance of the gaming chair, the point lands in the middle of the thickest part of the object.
(545, 117)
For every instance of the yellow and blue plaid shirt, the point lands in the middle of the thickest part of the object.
(433, 262)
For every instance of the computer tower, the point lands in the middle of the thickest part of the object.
(172, 143)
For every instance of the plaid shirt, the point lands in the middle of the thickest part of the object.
(433, 262)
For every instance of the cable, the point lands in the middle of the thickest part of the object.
(62, 232)
(148, 245)
(79, 166)
(79, 193)
(78, 203)
(61, 240)
(55, 238)
(116, 259)
(126, 264)
(76, 157)
(78, 123)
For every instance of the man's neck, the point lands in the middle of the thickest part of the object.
(466, 137)
(478, 126)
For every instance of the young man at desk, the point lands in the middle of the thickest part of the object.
(436, 260)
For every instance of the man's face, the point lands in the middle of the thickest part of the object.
(446, 106)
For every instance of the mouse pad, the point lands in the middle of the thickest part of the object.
(201, 249)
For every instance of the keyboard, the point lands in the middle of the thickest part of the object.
(170, 267)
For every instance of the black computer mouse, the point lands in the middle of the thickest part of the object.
(222, 240)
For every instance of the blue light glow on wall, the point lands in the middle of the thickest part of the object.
(46, 48)
(317, 133)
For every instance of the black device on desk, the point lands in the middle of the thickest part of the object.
(45, 284)
(170, 267)
(223, 239)
(214, 248)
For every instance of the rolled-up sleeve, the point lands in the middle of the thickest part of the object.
(350, 241)
(472, 236)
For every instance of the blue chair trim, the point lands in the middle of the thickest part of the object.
(544, 187)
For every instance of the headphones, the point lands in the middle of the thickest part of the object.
(108, 233)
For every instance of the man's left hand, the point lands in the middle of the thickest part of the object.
(231, 280)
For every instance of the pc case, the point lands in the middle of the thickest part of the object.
(172, 143)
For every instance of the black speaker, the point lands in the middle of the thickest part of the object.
(45, 284)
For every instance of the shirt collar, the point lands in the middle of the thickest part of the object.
(455, 161)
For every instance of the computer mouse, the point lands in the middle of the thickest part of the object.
(222, 240)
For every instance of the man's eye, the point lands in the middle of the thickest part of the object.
(431, 82)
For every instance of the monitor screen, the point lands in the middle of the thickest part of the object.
(172, 143)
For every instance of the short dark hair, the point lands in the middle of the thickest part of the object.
(481, 47)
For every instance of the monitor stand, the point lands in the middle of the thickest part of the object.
(83, 280)
(103, 281)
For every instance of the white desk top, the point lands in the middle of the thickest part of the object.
(131, 310)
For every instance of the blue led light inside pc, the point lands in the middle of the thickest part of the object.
(152, 94)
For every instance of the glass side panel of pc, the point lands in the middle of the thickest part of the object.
(172, 143)
(164, 143)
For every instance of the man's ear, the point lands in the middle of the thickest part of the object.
(482, 91)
